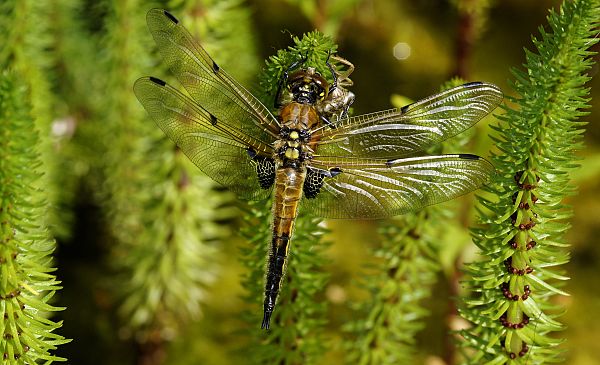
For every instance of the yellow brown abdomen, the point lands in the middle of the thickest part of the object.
(288, 192)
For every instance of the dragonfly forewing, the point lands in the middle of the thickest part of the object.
(411, 129)
(207, 83)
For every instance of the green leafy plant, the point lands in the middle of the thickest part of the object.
(28, 46)
(27, 284)
(72, 135)
(160, 209)
(393, 312)
(523, 211)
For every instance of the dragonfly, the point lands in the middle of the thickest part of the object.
(308, 154)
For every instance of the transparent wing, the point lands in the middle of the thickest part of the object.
(402, 132)
(222, 151)
(364, 188)
(208, 84)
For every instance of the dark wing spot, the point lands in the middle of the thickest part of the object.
(335, 171)
(215, 67)
(213, 120)
(171, 16)
(389, 163)
(468, 156)
(251, 152)
(405, 108)
(473, 83)
(157, 81)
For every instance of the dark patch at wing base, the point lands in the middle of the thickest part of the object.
(265, 169)
(335, 171)
(220, 150)
(314, 181)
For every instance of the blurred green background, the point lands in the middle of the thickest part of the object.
(401, 50)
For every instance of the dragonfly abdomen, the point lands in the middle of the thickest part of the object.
(288, 191)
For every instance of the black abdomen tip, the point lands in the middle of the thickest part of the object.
(266, 322)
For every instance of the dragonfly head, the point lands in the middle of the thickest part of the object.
(307, 86)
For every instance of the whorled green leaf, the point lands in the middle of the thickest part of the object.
(26, 285)
(522, 241)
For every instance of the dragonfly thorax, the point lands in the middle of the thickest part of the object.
(292, 149)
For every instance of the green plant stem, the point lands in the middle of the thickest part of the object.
(522, 240)
(161, 210)
(26, 280)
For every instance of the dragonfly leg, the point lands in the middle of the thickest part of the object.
(326, 121)
(284, 78)
(333, 74)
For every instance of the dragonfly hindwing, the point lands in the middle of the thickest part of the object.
(314, 181)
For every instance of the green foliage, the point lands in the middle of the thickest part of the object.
(394, 312)
(27, 285)
(522, 241)
(28, 49)
(72, 135)
(224, 29)
(314, 46)
(71, 156)
(26, 280)
(160, 208)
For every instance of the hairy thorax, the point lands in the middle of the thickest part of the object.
(293, 147)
